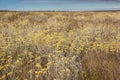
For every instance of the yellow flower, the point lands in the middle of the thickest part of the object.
(48, 63)
(68, 70)
(2, 77)
(38, 72)
(30, 71)
(44, 69)
(1, 67)
(38, 65)
(9, 73)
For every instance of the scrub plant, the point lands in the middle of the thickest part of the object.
(59, 45)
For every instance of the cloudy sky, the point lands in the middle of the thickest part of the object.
(60, 5)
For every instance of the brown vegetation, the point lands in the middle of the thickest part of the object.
(60, 45)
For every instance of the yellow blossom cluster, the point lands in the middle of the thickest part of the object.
(59, 45)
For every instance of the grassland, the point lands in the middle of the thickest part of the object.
(60, 45)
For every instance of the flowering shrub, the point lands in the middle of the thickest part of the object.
(66, 46)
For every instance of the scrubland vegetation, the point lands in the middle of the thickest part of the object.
(59, 45)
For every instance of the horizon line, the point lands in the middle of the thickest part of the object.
(59, 10)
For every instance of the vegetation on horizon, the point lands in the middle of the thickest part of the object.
(59, 45)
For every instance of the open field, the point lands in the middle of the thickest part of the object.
(60, 45)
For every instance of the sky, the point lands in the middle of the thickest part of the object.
(60, 5)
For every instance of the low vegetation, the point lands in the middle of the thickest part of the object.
(60, 45)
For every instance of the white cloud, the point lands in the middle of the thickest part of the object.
(116, 6)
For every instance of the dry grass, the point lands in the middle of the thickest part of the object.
(59, 45)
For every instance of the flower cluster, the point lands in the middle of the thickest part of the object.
(66, 46)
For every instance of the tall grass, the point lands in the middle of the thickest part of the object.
(59, 45)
